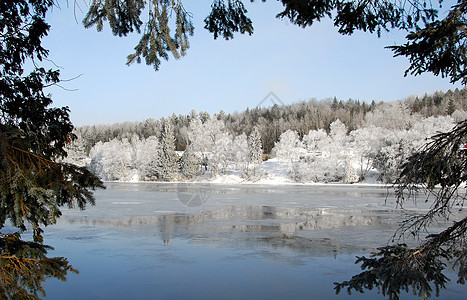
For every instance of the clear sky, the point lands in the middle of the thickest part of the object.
(294, 63)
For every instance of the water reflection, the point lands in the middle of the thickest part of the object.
(254, 189)
(295, 228)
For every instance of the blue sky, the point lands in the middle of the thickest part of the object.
(294, 63)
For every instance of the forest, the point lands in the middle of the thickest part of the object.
(327, 140)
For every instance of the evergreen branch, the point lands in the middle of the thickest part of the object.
(45, 161)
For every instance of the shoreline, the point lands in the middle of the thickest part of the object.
(359, 184)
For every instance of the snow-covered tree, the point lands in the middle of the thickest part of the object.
(239, 151)
(336, 153)
(203, 135)
(221, 154)
(315, 141)
(350, 174)
(190, 163)
(314, 165)
(255, 150)
(393, 115)
(337, 131)
(97, 155)
(289, 146)
(255, 147)
(198, 136)
(399, 145)
(114, 160)
(430, 126)
(167, 159)
(365, 143)
(147, 157)
(459, 115)
(77, 153)
(328, 158)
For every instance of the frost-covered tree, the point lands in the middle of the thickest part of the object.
(428, 127)
(350, 174)
(214, 127)
(289, 146)
(203, 135)
(459, 115)
(316, 140)
(147, 158)
(221, 154)
(99, 164)
(190, 163)
(114, 160)
(255, 147)
(167, 166)
(322, 156)
(365, 144)
(77, 153)
(399, 145)
(314, 165)
(239, 151)
(338, 151)
(255, 150)
(393, 115)
(337, 131)
(198, 137)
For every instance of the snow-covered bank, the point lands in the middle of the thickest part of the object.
(273, 172)
(368, 155)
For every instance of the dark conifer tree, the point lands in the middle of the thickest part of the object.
(34, 184)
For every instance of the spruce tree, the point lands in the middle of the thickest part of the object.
(434, 44)
(190, 163)
(451, 107)
(255, 147)
(167, 164)
(34, 180)
(157, 40)
(255, 150)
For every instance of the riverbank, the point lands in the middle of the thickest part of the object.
(271, 172)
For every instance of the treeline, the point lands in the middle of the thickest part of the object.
(271, 122)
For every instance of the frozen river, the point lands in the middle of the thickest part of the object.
(201, 241)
